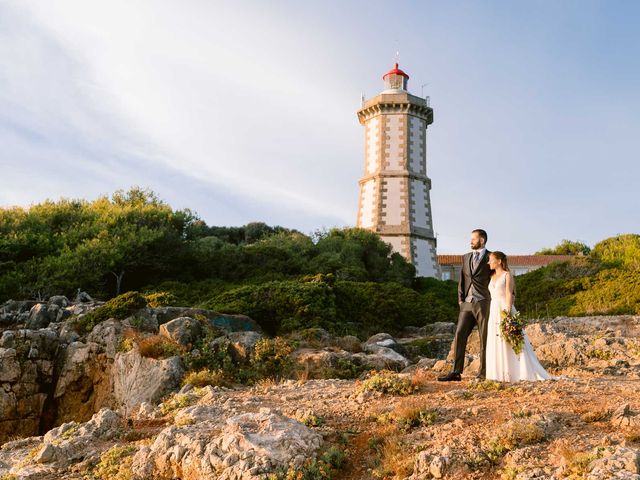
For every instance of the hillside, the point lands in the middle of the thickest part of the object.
(170, 392)
(605, 282)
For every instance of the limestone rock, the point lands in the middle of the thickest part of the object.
(349, 343)
(41, 315)
(182, 330)
(317, 362)
(382, 358)
(624, 417)
(242, 345)
(247, 447)
(9, 366)
(137, 379)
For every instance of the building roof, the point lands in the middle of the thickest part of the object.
(395, 71)
(514, 260)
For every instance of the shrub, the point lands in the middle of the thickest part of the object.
(281, 306)
(210, 355)
(386, 381)
(119, 307)
(177, 401)
(115, 463)
(271, 359)
(326, 467)
(160, 299)
(345, 369)
(150, 346)
(205, 377)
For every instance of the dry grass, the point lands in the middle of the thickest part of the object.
(577, 462)
(151, 346)
(206, 377)
(633, 435)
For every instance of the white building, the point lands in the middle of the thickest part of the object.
(394, 191)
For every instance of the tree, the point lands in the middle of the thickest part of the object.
(567, 247)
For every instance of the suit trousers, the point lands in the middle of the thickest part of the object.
(471, 314)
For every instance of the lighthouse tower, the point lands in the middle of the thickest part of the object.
(394, 191)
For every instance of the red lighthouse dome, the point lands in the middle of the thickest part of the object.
(395, 79)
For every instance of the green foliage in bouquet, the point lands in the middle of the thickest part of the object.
(512, 329)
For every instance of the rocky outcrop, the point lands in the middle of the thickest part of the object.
(26, 379)
(246, 446)
(137, 379)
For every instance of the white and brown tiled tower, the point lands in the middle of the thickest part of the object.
(394, 191)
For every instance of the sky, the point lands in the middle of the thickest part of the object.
(246, 110)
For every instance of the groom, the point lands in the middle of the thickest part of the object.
(474, 300)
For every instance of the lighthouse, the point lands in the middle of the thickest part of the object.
(394, 191)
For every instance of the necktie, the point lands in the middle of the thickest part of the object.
(476, 259)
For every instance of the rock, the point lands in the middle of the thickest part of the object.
(228, 323)
(380, 339)
(349, 343)
(59, 300)
(248, 446)
(10, 370)
(438, 328)
(319, 363)
(108, 335)
(422, 465)
(83, 297)
(382, 358)
(83, 384)
(46, 454)
(41, 315)
(624, 417)
(437, 466)
(137, 379)
(242, 345)
(183, 330)
(615, 462)
(426, 363)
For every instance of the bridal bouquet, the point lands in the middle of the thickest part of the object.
(512, 330)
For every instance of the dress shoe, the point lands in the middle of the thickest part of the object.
(451, 377)
(481, 377)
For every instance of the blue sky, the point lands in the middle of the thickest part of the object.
(245, 111)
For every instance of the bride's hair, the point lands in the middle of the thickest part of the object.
(503, 261)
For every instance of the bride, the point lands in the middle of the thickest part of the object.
(502, 362)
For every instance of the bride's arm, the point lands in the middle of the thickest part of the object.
(511, 290)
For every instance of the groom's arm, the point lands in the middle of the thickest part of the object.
(461, 284)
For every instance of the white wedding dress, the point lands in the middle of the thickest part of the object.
(502, 362)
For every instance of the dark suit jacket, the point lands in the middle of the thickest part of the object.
(479, 279)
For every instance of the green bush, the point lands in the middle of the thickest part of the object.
(281, 307)
(606, 282)
(386, 381)
(341, 307)
(119, 308)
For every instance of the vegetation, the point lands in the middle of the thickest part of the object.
(326, 467)
(346, 281)
(340, 279)
(606, 282)
(566, 247)
(386, 381)
(115, 463)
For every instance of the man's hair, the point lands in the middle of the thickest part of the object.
(482, 233)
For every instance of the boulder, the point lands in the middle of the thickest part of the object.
(242, 345)
(318, 363)
(247, 446)
(382, 358)
(183, 330)
(10, 370)
(59, 300)
(228, 323)
(349, 343)
(41, 315)
(137, 379)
